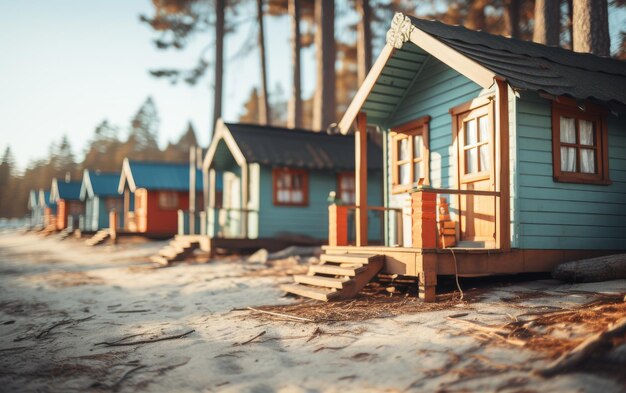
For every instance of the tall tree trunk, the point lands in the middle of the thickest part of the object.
(324, 100)
(264, 108)
(547, 22)
(294, 116)
(476, 19)
(512, 15)
(570, 21)
(364, 39)
(591, 27)
(219, 59)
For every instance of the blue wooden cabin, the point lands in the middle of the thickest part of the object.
(35, 210)
(510, 153)
(100, 195)
(276, 182)
(47, 207)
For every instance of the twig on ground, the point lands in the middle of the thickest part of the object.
(47, 331)
(116, 386)
(280, 315)
(118, 343)
(253, 338)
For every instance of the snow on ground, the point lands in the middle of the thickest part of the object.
(68, 311)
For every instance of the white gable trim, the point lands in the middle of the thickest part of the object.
(452, 58)
(126, 176)
(222, 133)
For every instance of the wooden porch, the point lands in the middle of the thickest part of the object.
(427, 264)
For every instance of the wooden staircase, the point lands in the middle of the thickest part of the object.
(99, 237)
(48, 230)
(178, 249)
(67, 232)
(337, 276)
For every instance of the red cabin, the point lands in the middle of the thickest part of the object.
(153, 194)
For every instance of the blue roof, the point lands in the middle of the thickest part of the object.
(163, 176)
(69, 190)
(103, 184)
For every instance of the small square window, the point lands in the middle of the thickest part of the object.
(410, 154)
(291, 187)
(580, 146)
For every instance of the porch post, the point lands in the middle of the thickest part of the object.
(360, 176)
(338, 225)
(113, 225)
(503, 225)
(192, 190)
(245, 192)
(126, 207)
(424, 219)
(210, 187)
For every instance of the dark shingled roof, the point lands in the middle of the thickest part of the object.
(531, 66)
(277, 146)
(163, 176)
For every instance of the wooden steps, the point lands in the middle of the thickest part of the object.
(311, 292)
(338, 276)
(178, 249)
(99, 237)
(48, 230)
(322, 281)
(65, 233)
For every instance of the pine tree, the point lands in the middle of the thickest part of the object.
(144, 126)
(7, 166)
(591, 27)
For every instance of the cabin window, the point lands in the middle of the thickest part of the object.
(474, 128)
(347, 188)
(168, 200)
(291, 187)
(410, 155)
(579, 144)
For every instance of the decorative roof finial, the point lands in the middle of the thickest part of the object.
(400, 30)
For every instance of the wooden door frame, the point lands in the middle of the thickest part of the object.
(501, 164)
(456, 112)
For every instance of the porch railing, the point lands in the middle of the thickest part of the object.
(185, 217)
(429, 213)
(342, 225)
(231, 223)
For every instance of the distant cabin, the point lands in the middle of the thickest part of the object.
(153, 192)
(35, 210)
(276, 182)
(510, 153)
(99, 191)
(66, 196)
(47, 207)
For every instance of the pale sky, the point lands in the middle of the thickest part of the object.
(65, 65)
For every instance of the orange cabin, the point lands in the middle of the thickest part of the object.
(69, 207)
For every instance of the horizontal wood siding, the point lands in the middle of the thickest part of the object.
(437, 89)
(311, 220)
(556, 215)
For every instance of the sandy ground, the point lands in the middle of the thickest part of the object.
(74, 318)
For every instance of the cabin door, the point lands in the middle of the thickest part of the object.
(230, 214)
(475, 163)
